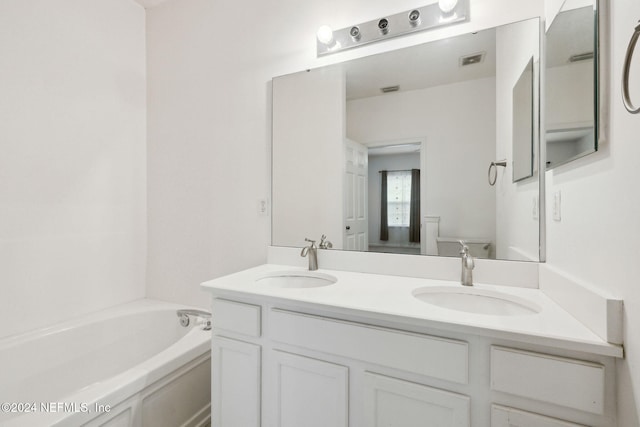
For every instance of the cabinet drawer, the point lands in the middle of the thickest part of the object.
(421, 354)
(508, 417)
(567, 382)
(236, 317)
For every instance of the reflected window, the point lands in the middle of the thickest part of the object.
(398, 198)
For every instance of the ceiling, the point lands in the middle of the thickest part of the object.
(418, 67)
(570, 34)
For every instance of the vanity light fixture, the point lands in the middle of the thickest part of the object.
(435, 15)
(325, 36)
(447, 6)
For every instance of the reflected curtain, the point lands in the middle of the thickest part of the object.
(414, 210)
(384, 221)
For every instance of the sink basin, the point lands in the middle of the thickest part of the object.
(477, 301)
(297, 279)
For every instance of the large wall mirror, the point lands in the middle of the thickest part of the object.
(390, 153)
(571, 112)
(523, 124)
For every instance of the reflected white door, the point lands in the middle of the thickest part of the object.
(355, 196)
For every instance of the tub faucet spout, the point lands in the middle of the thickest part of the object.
(201, 317)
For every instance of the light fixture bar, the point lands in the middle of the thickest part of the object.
(419, 19)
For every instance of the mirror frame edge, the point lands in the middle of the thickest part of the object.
(542, 147)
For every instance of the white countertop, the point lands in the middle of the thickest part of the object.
(385, 297)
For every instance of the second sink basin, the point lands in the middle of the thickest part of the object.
(297, 279)
(477, 301)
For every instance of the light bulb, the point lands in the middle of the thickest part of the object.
(447, 6)
(325, 35)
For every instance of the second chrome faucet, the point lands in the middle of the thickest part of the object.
(467, 265)
(312, 251)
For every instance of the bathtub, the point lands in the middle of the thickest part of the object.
(131, 365)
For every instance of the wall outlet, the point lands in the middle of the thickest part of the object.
(557, 205)
(263, 207)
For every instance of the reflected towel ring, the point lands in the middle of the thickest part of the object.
(626, 98)
(494, 166)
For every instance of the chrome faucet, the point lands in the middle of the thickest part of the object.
(312, 251)
(324, 243)
(201, 317)
(467, 265)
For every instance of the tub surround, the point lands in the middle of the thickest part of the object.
(128, 365)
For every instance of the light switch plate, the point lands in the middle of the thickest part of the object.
(263, 207)
(557, 204)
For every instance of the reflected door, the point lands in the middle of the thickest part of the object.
(355, 196)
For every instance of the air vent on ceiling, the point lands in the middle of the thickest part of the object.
(390, 89)
(475, 58)
(581, 57)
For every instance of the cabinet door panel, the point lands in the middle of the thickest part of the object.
(398, 403)
(310, 392)
(236, 383)
(508, 417)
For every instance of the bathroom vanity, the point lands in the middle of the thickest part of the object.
(340, 347)
(336, 348)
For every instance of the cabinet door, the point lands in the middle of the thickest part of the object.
(390, 402)
(235, 383)
(309, 392)
(508, 417)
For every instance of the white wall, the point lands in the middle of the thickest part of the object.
(209, 70)
(308, 165)
(459, 147)
(208, 145)
(210, 66)
(516, 228)
(595, 241)
(72, 163)
(570, 100)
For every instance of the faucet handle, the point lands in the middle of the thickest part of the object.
(324, 243)
(464, 250)
(313, 242)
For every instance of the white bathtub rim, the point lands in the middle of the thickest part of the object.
(120, 387)
(111, 392)
(131, 307)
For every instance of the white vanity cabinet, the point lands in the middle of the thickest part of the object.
(393, 402)
(280, 364)
(509, 417)
(236, 364)
(307, 392)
